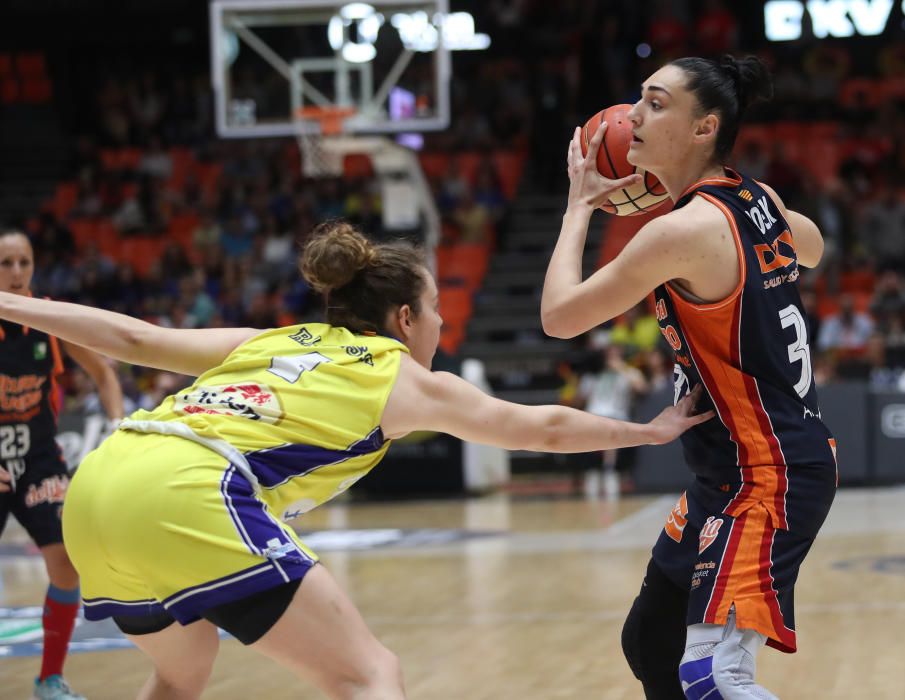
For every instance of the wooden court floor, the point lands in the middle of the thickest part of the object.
(502, 598)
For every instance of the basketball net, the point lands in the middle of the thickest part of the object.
(318, 160)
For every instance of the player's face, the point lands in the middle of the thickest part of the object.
(664, 121)
(16, 263)
(425, 333)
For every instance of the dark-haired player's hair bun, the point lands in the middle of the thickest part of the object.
(334, 254)
(751, 77)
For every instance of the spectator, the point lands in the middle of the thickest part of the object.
(129, 218)
(610, 392)
(881, 228)
(809, 301)
(637, 329)
(146, 104)
(207, 233)
(453, 187)
(472, 219)
(199, 303)
(236, 238)
(754, 160)
(888, 302)
(116, 126)
(847, 331)
(128, 290)
(783, 175)
(716, 31)
(880, 376)
(488, 192)
(658, 368)
(895, 342)
(156, 162)
(826, 66)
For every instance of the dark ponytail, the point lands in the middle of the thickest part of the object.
(727, 87)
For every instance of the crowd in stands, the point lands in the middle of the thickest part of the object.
(160, 219)
(831, 142)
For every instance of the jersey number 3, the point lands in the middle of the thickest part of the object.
(290, 367)
(799, 350)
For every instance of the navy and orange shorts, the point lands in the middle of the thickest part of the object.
(36, 496)
(745, 561)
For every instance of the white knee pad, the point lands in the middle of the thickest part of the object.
(719, 663)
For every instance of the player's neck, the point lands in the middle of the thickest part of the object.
(679, 180)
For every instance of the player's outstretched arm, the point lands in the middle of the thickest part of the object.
(423, 400)
(189, 351)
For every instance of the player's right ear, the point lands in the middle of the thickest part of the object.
(707, 129)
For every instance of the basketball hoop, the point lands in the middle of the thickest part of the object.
(317, 158)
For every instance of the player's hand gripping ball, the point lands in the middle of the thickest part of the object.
(612, 163)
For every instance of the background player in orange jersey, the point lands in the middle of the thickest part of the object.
(33, 475)
(724, 266)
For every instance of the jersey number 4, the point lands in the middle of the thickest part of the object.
(290, 367)
(790, 317)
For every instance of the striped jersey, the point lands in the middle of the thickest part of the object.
(751, 351)
(296, 410)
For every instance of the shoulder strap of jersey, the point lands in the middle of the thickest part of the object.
(718, 186)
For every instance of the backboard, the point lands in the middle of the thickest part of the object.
(273, 60)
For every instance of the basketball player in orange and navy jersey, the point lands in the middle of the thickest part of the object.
(33, 475)
(724, 264)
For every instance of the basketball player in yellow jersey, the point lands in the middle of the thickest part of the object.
(176, 523)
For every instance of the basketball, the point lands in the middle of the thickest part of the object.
(613, 164)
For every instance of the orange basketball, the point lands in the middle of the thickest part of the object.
(612, 163)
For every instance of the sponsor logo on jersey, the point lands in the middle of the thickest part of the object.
(277, 550)
(781, 279)
(677, 519)
(778, 257)
(21, 395)
(746, 195)
(252, 401)
(50, 490)
(761, 216)
(669, 332)
(361, 352)
(304, 337)
(701, 571)
(709, 533)
(778, 254)
(661, 310)
(40, 350)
